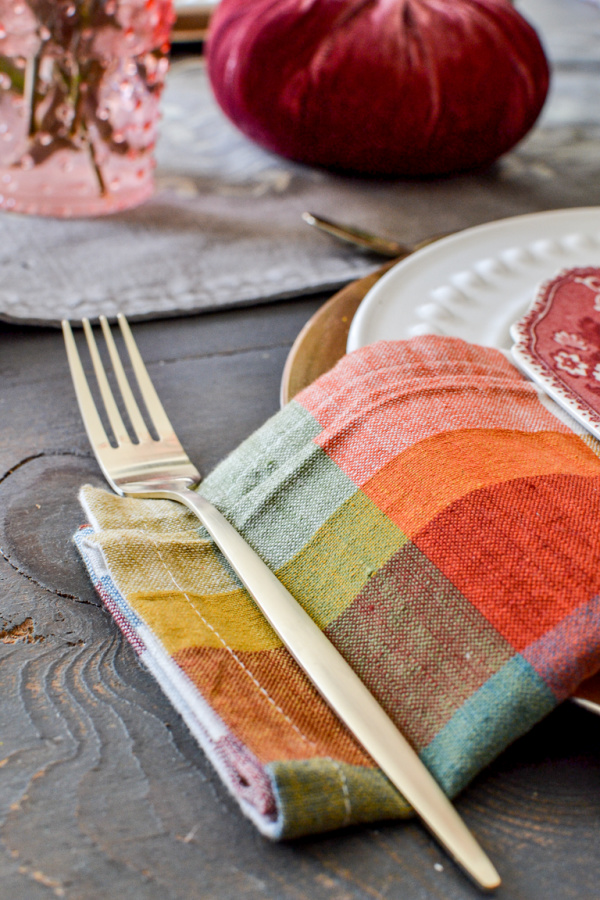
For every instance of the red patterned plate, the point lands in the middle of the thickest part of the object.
(557, 343)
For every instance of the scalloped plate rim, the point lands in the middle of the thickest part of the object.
(394, 309)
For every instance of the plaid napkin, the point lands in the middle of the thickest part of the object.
(435, 515)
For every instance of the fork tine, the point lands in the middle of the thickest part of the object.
(133, 410)
(91, 419)
(114, 416)
(153, 405)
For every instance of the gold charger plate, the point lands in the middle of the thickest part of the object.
(320, 344)
(323, 339)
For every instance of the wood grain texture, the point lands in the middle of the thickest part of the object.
(103, 791)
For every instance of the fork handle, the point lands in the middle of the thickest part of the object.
(345, 693)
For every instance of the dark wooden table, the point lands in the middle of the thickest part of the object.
(103, 793)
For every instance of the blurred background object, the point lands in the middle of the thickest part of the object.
(192, 18)
(80, 86)
(380, 89)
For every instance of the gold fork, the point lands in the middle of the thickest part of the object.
(160, 468)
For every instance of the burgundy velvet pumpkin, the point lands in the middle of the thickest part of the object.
(379, 87)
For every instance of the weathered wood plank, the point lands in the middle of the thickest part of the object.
(104, 792)
(190, 361)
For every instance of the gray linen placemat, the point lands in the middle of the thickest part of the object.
(224, 226)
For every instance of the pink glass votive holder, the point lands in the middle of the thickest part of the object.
(80, 84)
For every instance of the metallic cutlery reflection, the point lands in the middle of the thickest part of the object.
(161, 469)
(365, 239)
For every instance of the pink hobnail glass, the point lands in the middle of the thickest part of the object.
(80, 83)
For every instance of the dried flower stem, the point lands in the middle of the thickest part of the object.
(32, 71)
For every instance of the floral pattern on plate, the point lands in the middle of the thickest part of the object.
(557, 342)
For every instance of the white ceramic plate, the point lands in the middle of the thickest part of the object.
(476, 283)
